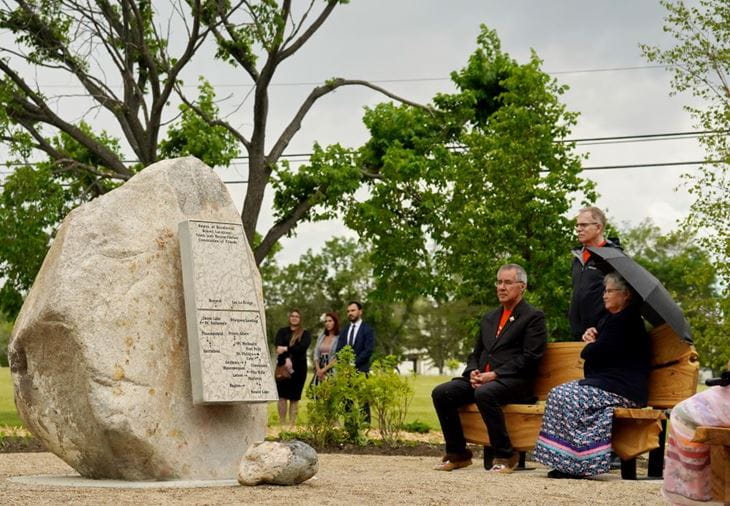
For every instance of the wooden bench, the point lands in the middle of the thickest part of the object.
(719, 441)
(673, 378)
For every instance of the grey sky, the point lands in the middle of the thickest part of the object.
(412, 39)
(384, 40)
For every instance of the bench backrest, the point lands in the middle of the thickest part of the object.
(675, 368)
(560, 363)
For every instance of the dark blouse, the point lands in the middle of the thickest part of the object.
(619, 360)
(297, 352)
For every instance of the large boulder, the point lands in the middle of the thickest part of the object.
(99, 354)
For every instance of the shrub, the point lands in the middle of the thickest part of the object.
(417, 426)
(389, 395)
(340, 397)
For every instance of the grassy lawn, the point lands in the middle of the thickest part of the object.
(421, 407)
(8, 415)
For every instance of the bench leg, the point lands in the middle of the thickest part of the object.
(521, 464)
(656, 456)
(628, 469)
(488, 457)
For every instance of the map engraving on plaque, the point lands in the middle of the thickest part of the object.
(229, 359)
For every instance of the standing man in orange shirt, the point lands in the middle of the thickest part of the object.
(500, 370)
(586, 305)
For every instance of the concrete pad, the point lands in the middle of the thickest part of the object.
(75, 480)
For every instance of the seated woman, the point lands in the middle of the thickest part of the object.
(687, 465)
(575, 437)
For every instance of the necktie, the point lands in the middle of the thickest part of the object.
(351, 336)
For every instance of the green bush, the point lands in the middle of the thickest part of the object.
(340, 397)
(416, 426)
(335, 410)
(389, 395)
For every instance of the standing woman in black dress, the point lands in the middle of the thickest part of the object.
(292, 343)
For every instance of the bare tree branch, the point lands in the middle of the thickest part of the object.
(39, 111)
(214, 121)
(284, 226)
(296, 27)
(296, 123)
(311, 30)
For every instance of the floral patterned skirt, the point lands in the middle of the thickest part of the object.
(575, 436)
(324, 359)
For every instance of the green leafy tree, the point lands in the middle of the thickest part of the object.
(481, 178)
(446, 331)
(685, 268)
(192, 136)
(127, 57)
(317, 283)
(700, 66)
(325, 281)
(33, 201)
(256, 37)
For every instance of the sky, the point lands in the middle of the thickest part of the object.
(417, 43)
(411, 46)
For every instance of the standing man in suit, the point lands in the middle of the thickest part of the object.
(361, 337)
(500, 370)
(586, 304)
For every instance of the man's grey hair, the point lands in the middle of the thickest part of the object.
(521, 273)
(616, 279)
(597, 214)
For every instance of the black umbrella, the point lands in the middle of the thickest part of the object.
(658, 307)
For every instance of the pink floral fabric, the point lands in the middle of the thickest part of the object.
(687, 464)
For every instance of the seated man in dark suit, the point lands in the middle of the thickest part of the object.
(500, 370)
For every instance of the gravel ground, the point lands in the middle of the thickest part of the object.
(344, 479)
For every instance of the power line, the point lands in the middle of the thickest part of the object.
(383, 81)
(597, 167)
(608, 69)
(661, 136)
(643, 165)
(586, 141)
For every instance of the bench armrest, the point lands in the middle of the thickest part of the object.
(712, 436)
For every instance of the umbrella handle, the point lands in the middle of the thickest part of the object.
(722, 381)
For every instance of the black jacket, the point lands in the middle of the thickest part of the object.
(619, 360)
(586, 304)
(514, 355)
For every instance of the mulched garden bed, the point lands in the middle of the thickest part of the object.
(20, 444)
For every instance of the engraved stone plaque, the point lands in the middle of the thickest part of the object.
(229, 359)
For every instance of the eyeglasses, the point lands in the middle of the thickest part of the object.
(579, 226)
(611, 290)
(506, 282)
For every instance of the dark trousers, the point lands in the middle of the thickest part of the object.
(489, 398)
